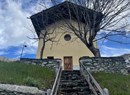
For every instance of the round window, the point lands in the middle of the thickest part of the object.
(67, 37)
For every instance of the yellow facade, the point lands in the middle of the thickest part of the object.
(61, 47)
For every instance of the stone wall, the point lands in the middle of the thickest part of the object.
(7, 89)
(50, 63)
(107, 64)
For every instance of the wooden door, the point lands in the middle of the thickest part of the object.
(68, 63)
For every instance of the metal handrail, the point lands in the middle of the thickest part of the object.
(95, 87)
(56, 83)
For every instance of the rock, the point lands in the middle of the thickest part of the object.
(88, 60)
(124, 71)
(25, 89)
(21, 89)
(48, 91)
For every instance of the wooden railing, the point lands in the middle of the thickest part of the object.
(57, 81)
(94, 86)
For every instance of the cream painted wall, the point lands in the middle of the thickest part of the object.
(62, 48)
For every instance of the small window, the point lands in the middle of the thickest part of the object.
(67, 37)
(50, 57)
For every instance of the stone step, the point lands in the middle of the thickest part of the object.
(72, 83)
(75, 89)
(68, 83)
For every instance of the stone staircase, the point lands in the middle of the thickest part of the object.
(73, 83)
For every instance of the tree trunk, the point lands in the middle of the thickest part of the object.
(42, 49)
(95, 51)
(41, 52)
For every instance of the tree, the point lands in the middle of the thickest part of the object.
(112, 13)
(107, 15)
(44, 35)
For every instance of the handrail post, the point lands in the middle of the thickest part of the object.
(106, 92)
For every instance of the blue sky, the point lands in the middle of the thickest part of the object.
(110, 48)
(16, 28)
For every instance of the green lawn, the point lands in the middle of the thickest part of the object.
(26, 74)
(117, 84)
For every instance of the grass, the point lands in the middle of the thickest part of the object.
(26, 74)
(117, 84)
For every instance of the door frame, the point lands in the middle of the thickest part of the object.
(71, 62)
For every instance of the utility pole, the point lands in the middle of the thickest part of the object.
(22, 50)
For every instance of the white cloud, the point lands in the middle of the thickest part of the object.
(14, 25)
(110, 51)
